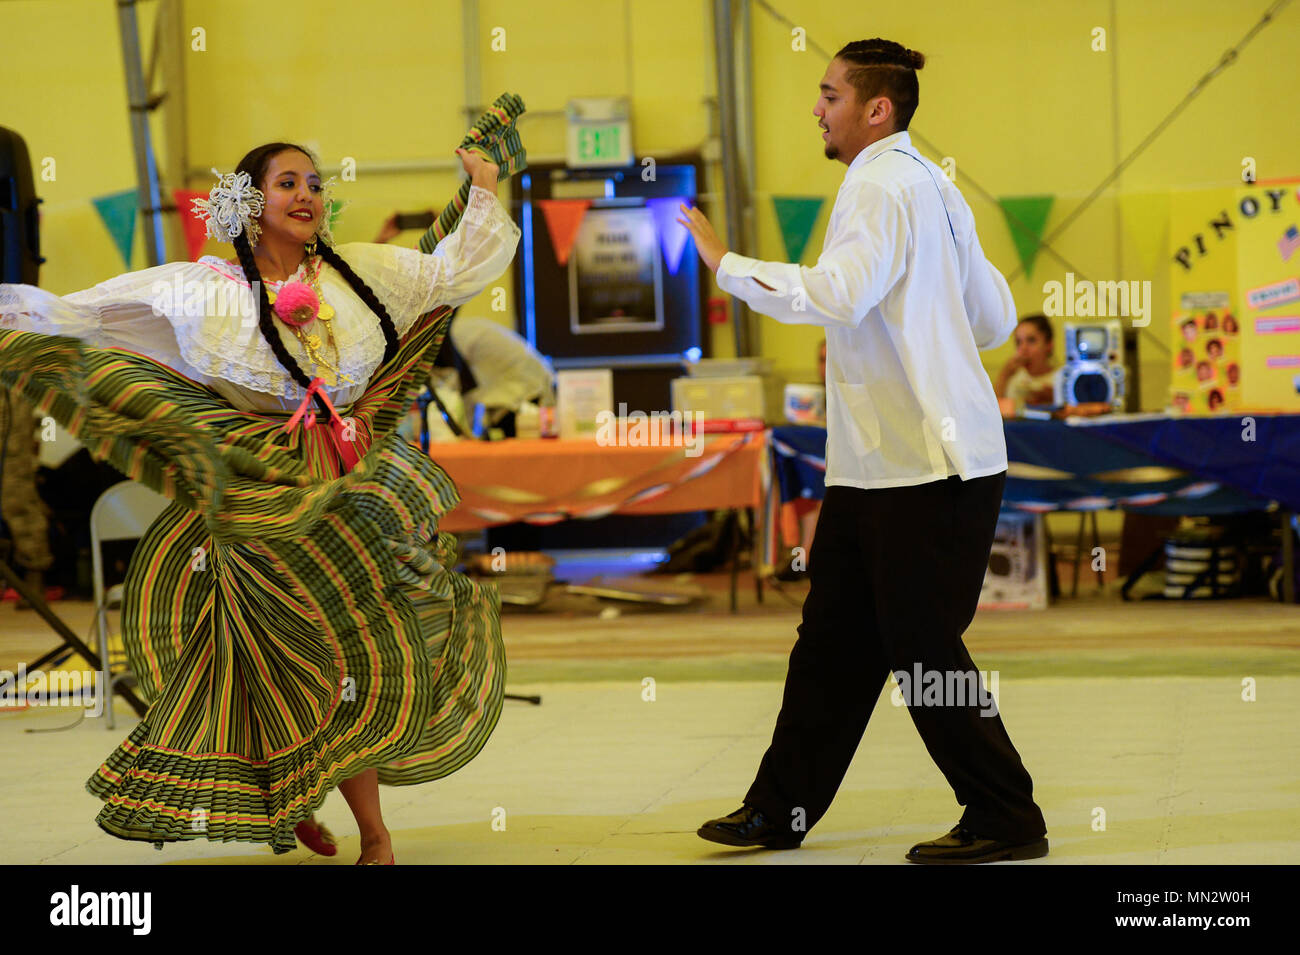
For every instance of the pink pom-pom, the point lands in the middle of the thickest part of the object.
(297, 304)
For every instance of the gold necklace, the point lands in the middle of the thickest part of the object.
(311, 343)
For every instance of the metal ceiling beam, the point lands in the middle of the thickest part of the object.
(139, 106)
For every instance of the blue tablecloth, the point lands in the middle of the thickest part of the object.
(1153, 465)
(1257, 455)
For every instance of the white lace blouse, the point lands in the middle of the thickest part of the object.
(198, 318)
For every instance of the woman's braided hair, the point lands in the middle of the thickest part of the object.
(255, 164)
(879, 67)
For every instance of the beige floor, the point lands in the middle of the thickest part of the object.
(1130, 718)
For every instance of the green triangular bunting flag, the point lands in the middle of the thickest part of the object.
(1031, 211)
(118, 212)
(797, 215)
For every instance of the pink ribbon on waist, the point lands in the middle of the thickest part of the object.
(347, 449)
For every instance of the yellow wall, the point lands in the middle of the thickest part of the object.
(1012, 91)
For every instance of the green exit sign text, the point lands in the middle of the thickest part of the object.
(600, 143)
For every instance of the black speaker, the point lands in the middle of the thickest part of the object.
(20, 244)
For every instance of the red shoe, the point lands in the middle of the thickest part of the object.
(316, 837)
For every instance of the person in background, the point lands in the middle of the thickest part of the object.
(1028, 377)
(799, 516)
(390, 230)
(497, 368)
(20, 506)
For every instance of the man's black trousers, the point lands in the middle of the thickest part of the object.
(896, 576)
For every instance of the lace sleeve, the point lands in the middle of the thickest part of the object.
(129, 311)
(466, 262)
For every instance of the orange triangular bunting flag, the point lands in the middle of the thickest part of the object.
(195, 229)
(563, 217)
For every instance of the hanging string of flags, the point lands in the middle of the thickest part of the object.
(796, 216)
(564, 219)
(117, 211)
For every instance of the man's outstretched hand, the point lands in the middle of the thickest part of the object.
(707, 243)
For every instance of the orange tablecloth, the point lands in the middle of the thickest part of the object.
(544, 481)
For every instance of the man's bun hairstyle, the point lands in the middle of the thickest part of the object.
(879, 67)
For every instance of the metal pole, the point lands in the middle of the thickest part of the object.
(146, 167)
(1288, 558)
(172, 50)
(747, 153)
(724, 56)
(470, 40)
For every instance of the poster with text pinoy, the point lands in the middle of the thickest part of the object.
(1268, 276)
(1235, 289)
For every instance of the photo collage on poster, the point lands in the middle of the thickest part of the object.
(1207, 362)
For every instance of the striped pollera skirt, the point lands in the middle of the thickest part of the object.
(290, 625)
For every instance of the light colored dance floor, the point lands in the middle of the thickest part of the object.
(1130, 718)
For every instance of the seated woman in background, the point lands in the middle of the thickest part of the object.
(799, 516)
(1028, 377)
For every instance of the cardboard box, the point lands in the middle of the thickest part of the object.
(739, 397)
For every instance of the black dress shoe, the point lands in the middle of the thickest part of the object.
(963, 847)
(749, 828)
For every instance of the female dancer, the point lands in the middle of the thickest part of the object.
(292, 615)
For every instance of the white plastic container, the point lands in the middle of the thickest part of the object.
(805, 404)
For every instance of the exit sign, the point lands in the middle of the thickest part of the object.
(600, 132)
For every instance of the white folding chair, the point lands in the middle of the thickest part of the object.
(123, 512)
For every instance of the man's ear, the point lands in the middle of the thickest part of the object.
(880, 110)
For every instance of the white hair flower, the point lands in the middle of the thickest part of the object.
(232, 207)
(332, 206)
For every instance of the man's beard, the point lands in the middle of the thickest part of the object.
(832, 152)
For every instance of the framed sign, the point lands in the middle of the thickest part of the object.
(616, 273)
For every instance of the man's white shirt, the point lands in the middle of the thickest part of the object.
(908, 300)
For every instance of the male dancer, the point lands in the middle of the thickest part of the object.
(916, 463)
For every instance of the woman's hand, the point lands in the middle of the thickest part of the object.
(1041, 396)
(482, 172)
(1013, 363)
(1004, 376)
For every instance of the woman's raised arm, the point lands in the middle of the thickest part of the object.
(473, 256)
